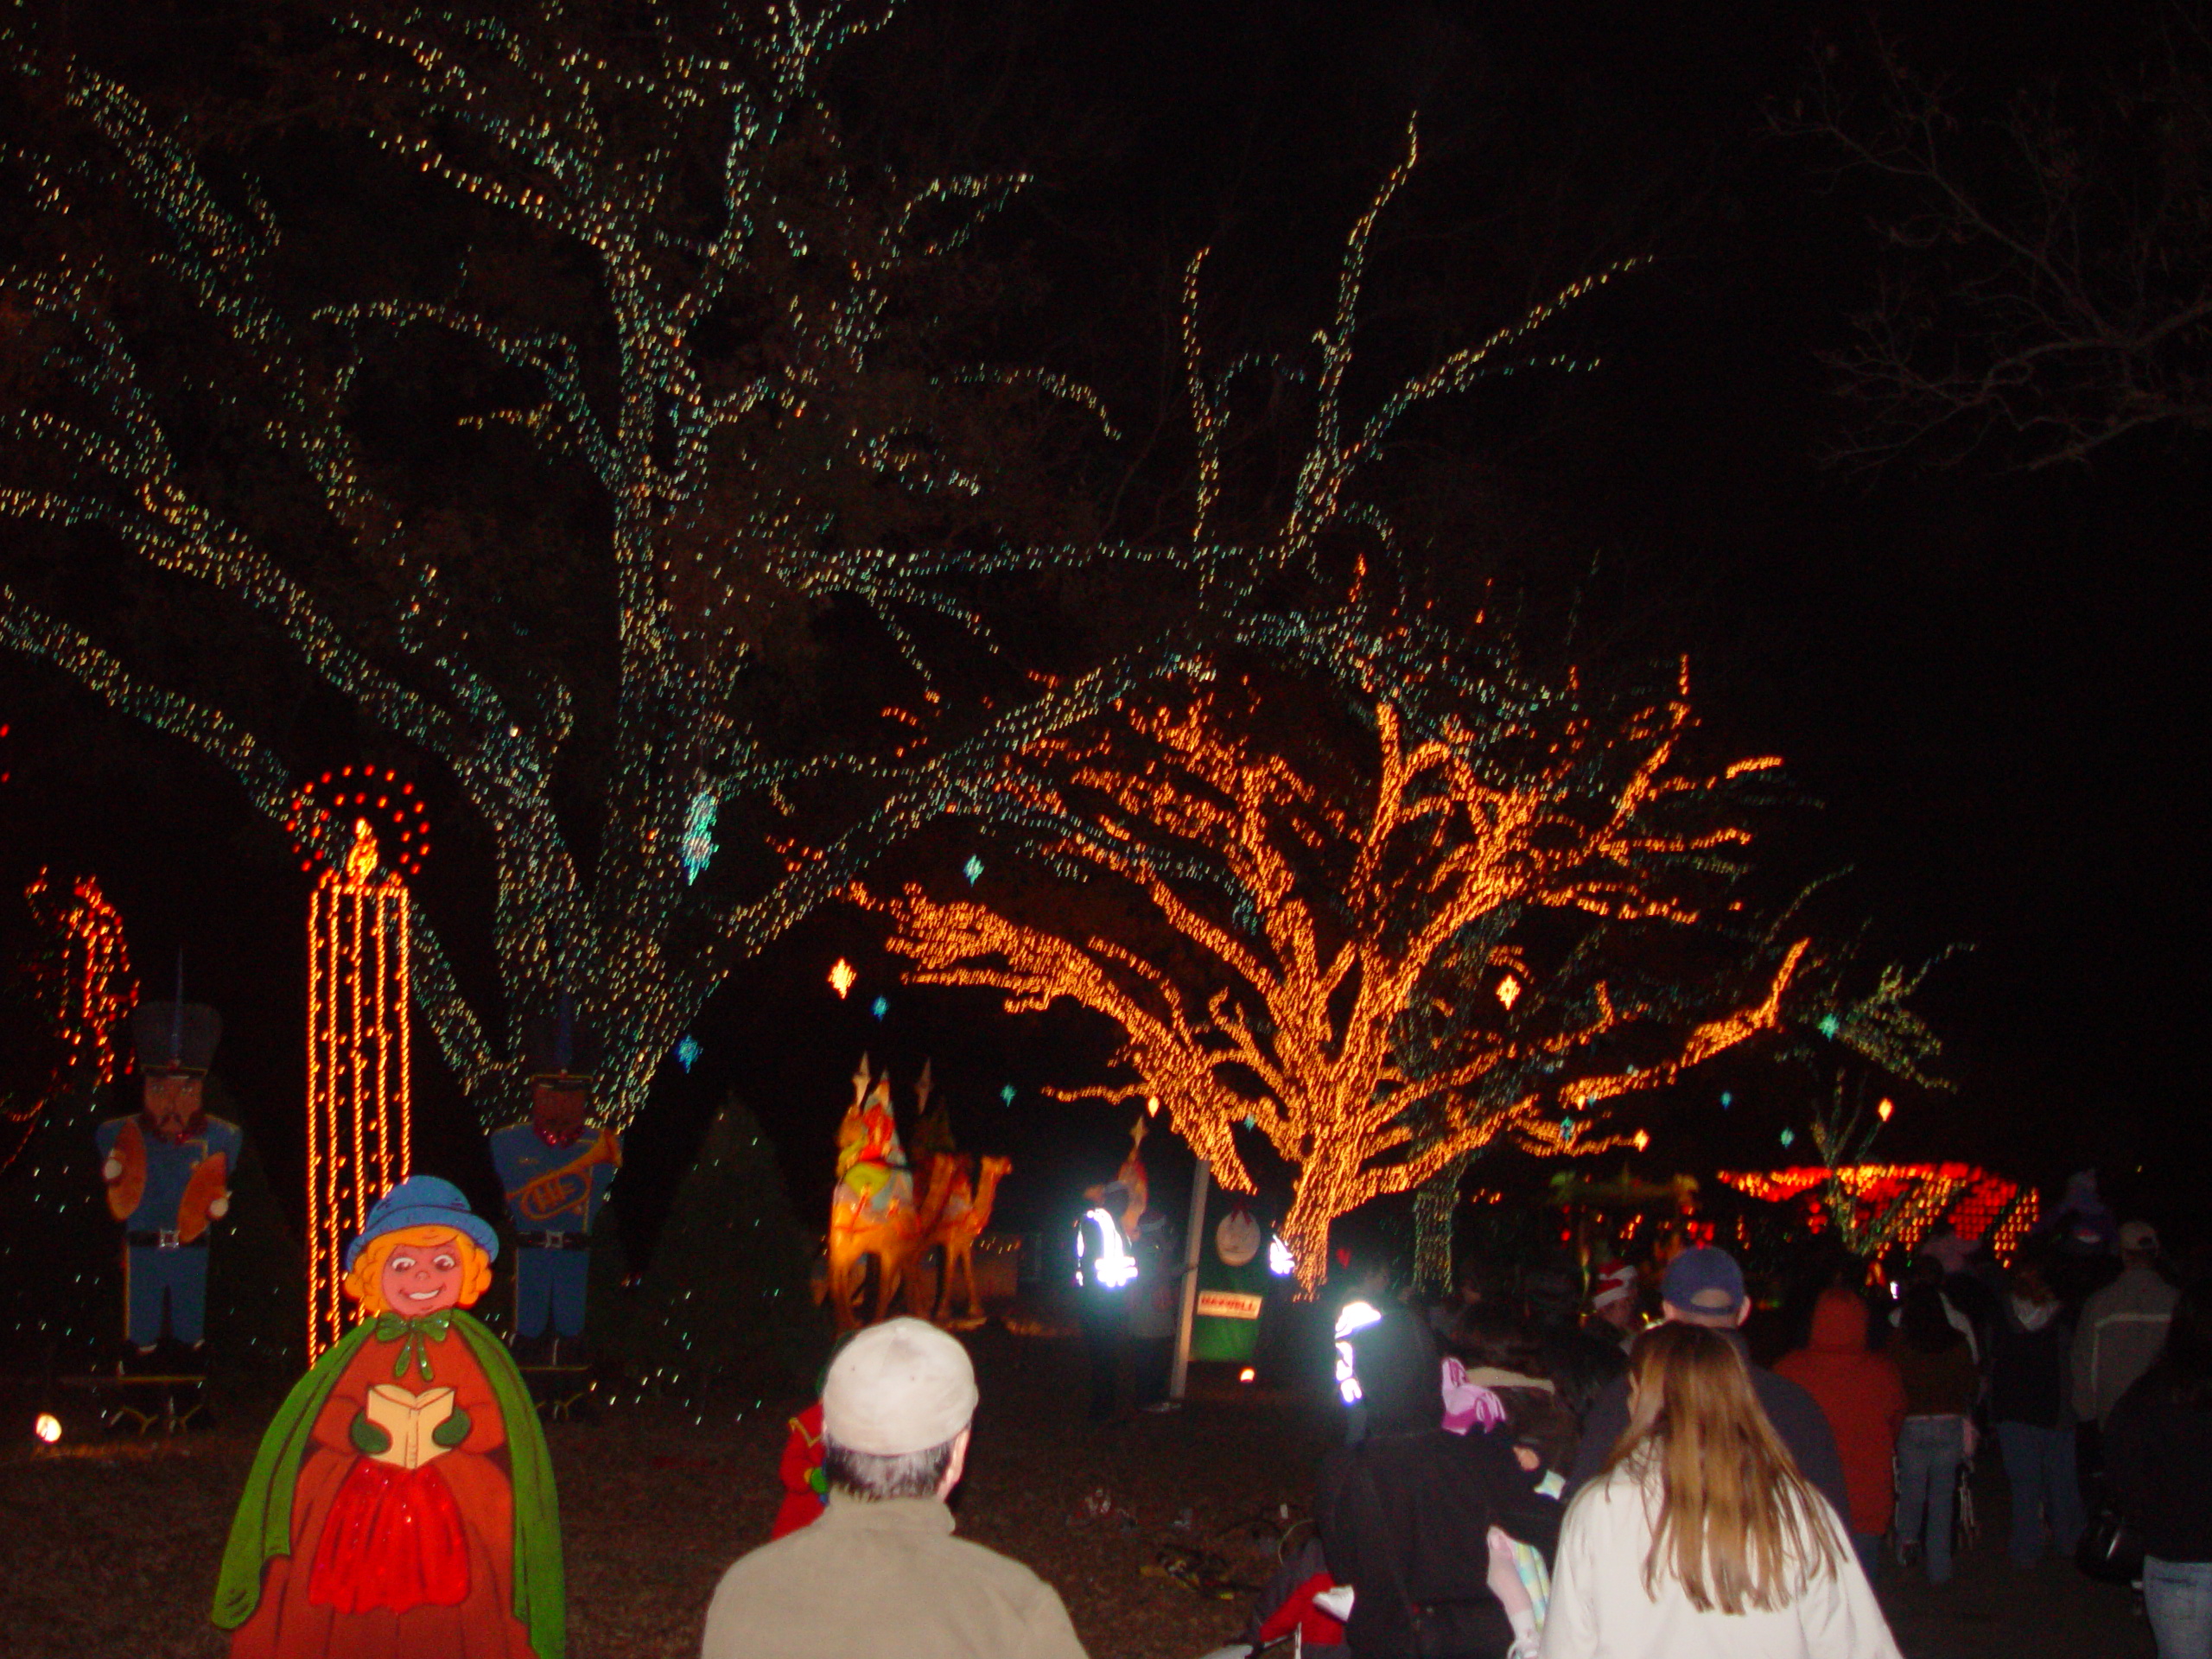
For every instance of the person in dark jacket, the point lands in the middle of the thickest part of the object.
(1936, 1363)
(2030, 1402)
(1705, 1286)
(1405, 1515)
(2159, 1456)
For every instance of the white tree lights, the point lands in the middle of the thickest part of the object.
(360, 1114)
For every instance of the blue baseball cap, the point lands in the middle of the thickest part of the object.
(424, 1201)
(1705, 1281)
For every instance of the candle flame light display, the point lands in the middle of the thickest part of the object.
(360, 1114)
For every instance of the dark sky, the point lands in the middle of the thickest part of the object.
(1983, 674)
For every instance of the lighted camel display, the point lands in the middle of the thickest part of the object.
(874, 1212)
(966, 1212)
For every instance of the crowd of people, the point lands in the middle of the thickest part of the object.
(1536, 1469)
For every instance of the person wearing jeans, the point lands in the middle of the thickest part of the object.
(2040, 1468)
(1930, 1451)
(2031, 1390)
(2159, 1456)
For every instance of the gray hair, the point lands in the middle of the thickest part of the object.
(875, 1476)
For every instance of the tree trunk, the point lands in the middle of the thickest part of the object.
(1436, 1202)
(1306, 1233)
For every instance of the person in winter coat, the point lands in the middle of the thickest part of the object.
(1705, 1288)
(2158, 1455)
(1861, 1395)
(1935, 1361)
(1700, 1537)
(1405, 1515)
(2123, 1326)
(2031, 1403)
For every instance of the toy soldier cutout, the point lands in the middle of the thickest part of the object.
(168, 1171)
(555, 1168)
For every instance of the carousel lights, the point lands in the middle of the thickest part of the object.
(973, 869)
(1886, 1108)
(881, 1007)
(842, 978)
(1279, 1261)
(688, 1052)
(360, 1106)
(47, 1427)
(1509, 992)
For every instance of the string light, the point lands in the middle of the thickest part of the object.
(1443, 840)
(84, 988)
(1900, 1204)
(372, 795)
(596, 149)
(360, 1108)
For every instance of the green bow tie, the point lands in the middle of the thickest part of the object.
(417, 1333)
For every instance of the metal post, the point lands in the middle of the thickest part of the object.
(1201, 1179)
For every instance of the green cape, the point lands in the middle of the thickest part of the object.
(263, 1526)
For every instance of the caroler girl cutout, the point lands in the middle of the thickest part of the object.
(402, 1502)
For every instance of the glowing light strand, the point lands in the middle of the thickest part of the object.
(359, 1102)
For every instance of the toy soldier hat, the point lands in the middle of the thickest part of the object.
(175, 1036)
(424, 1201)
(560, 1044)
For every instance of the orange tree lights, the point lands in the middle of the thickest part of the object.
(83, 989)
(360, 1112)
(1319, 945)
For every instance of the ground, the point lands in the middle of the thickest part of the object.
(112, 1545)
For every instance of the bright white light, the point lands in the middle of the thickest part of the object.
(1116, 1267)
(48, 1427)
(1279, 1261)
(1356, 1315)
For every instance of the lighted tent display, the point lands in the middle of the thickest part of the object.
(1877, 1205)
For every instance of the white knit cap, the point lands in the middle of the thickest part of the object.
(899, 1387)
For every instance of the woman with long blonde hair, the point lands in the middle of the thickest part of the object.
(1701, 1537)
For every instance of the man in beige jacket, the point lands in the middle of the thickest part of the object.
(880, 1572)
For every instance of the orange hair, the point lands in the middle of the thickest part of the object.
(365, 1280)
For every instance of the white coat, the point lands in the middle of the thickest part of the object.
(1599, 1609)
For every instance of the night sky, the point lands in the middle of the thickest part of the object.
(1982, 674)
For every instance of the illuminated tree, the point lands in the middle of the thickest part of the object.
(662, 352)
(1383, 952)
(619, 468)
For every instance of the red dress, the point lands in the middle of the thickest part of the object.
(396, 1564)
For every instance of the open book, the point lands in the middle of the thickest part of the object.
(408, 1419)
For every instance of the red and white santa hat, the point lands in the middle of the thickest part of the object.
(1616, 1282)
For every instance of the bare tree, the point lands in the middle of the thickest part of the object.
(2047, 285)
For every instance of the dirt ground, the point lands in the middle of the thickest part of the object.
(111, 1545)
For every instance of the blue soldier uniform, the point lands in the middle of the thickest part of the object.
(168, 1171)
(554, 1192)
